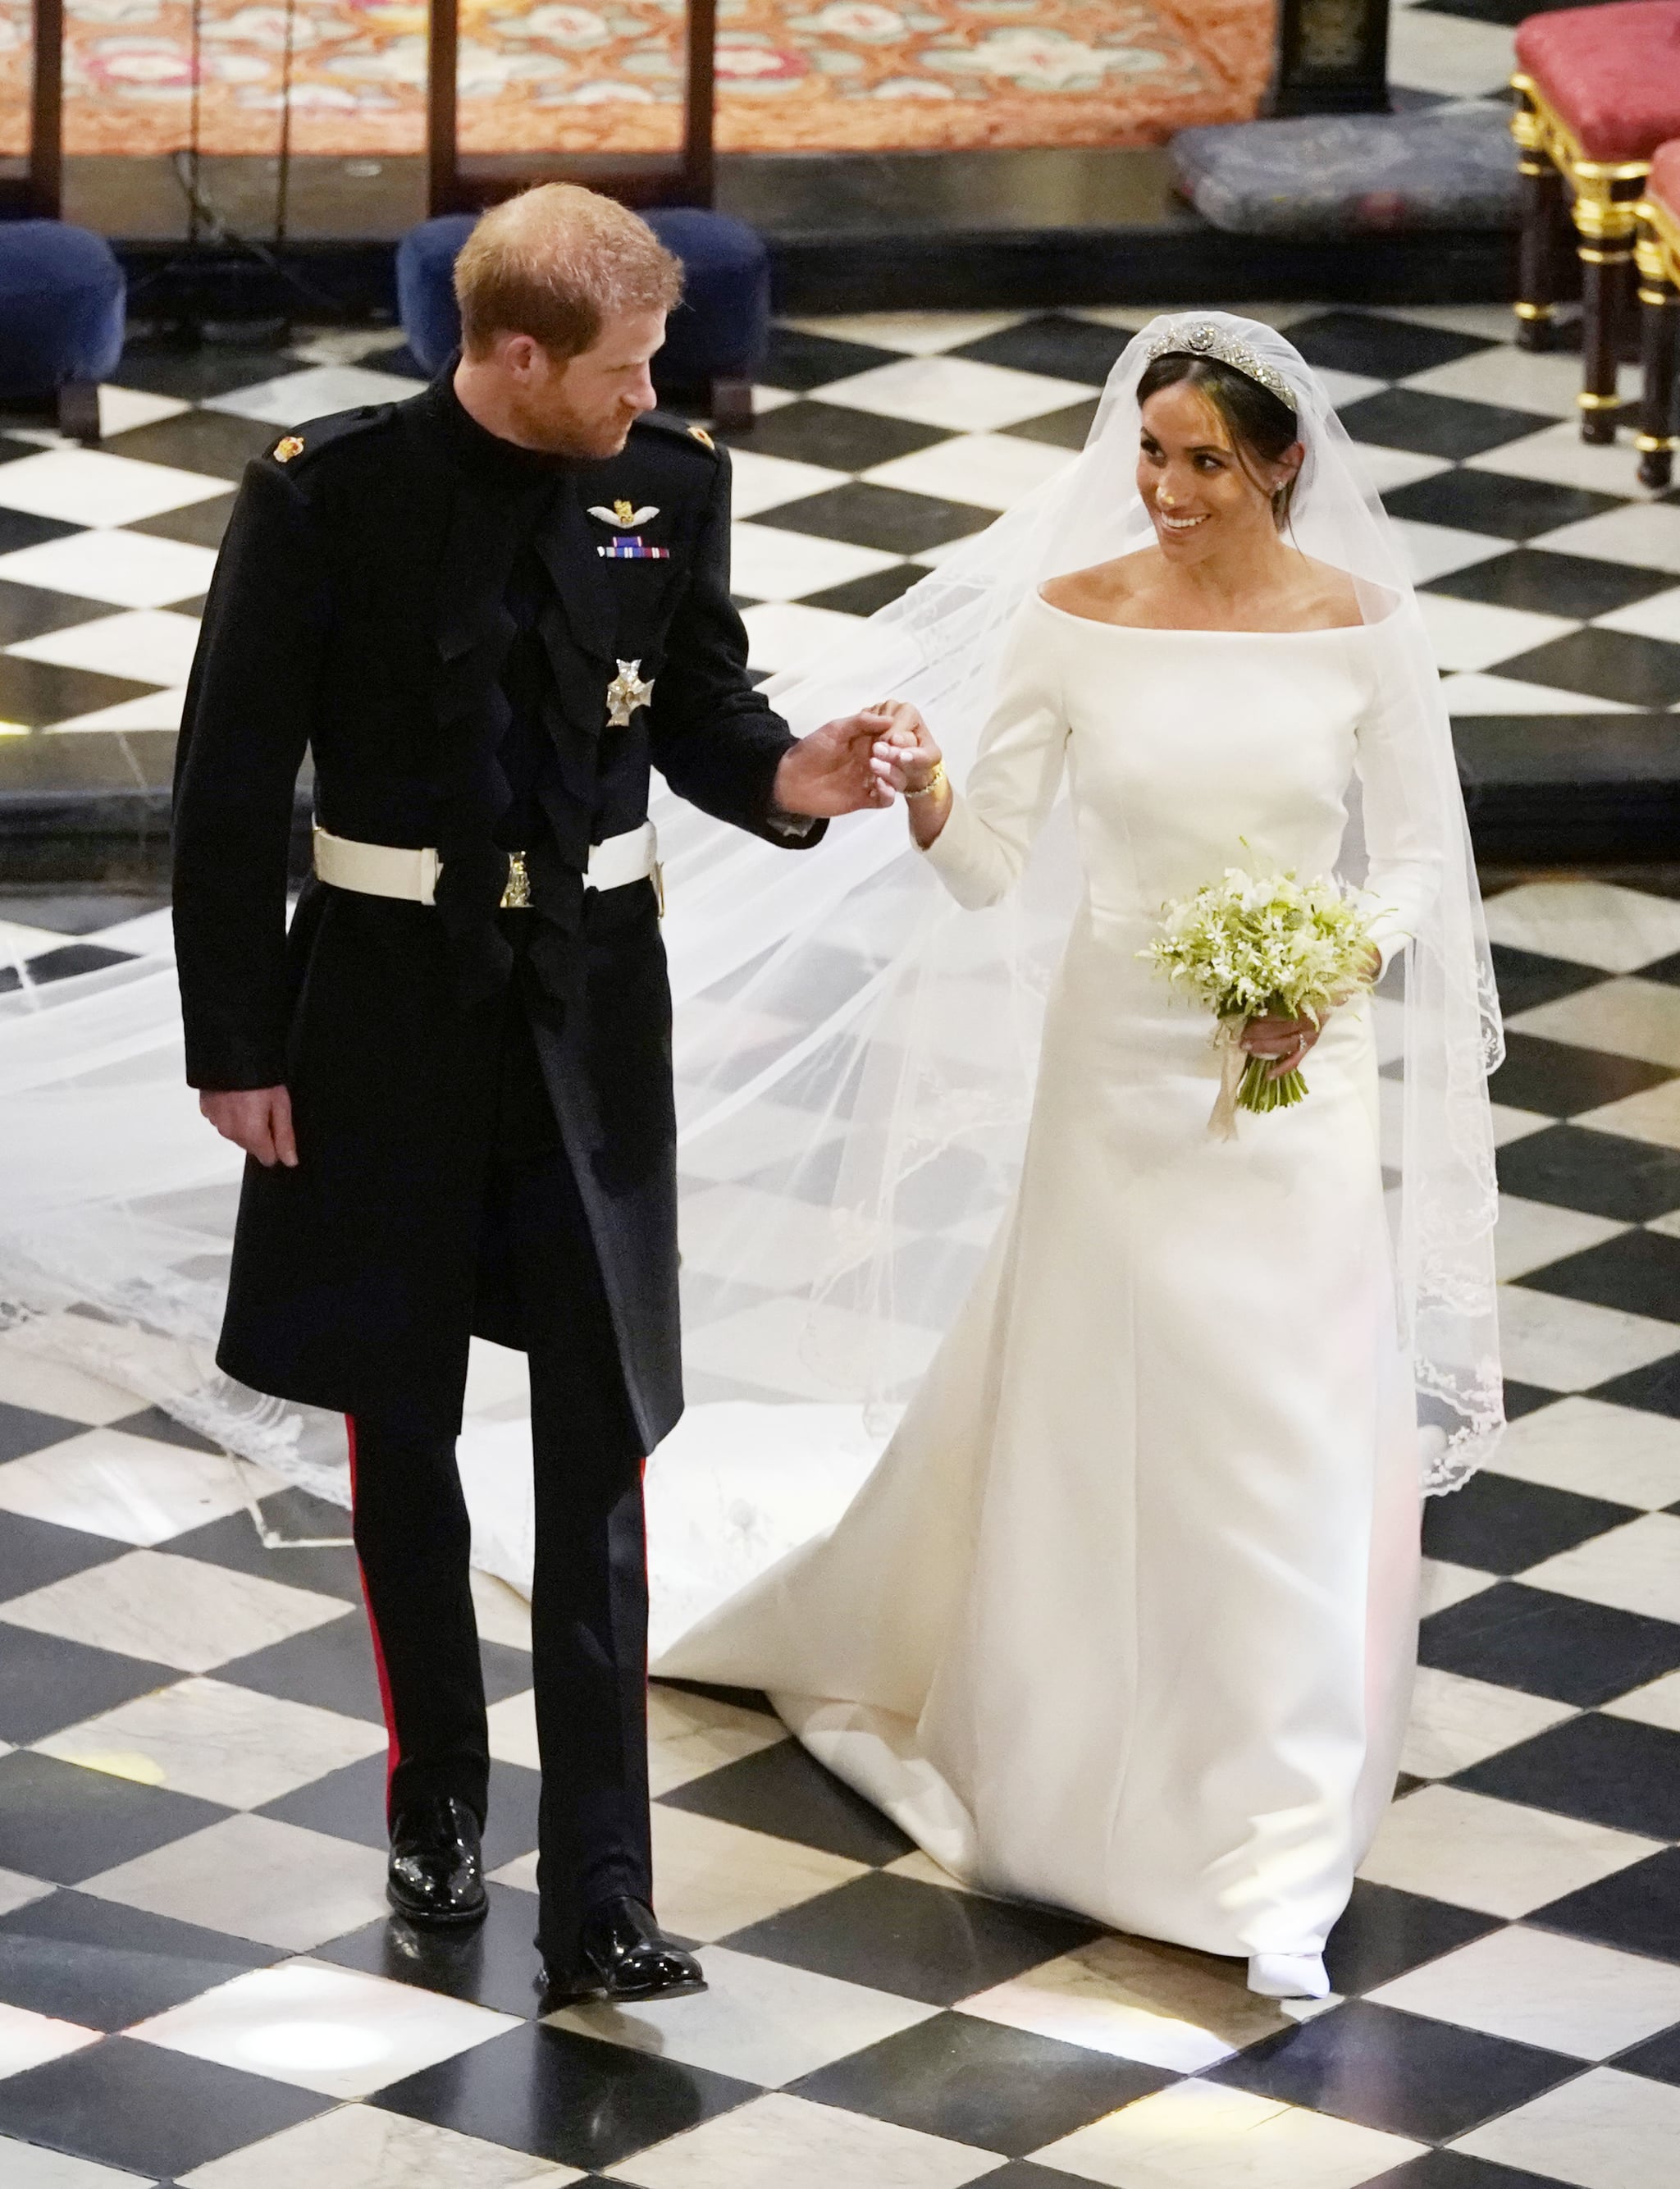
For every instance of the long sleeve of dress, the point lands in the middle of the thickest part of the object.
(980, 851)
(1401, 842)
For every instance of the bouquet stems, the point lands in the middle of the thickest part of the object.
(1261, 1092)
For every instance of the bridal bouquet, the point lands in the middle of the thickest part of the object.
(1267, 947)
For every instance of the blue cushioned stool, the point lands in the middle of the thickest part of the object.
(718, 334)
(62, 295)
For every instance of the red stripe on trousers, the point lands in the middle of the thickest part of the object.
(393, 1750)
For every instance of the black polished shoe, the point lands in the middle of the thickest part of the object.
(623, 1955)
(436, 1873)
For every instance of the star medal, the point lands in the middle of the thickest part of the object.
(628, 691)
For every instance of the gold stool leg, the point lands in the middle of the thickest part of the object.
(1660, 307)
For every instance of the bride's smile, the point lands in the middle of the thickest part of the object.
(1204, 495)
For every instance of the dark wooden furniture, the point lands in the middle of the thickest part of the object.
(1332, 58)
(36, 192)
(456, 184)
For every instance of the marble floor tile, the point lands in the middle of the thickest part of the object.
(1645, 534)
(1138, 2001)
(29, 1376)
(1589, 923)
(503, 1615)
(1522, 380)
(1496, 1856)
(758, 482)
(228, 1744)
(915, 334)
(126, 569)
(715, 1878)
(1657, 1704)
(1512, 1124)
(1480, 691)
(1557, 456)
(32, 2166)
(993, 471)
(147, 710)
(514, 1730)
(152, 645)
(256, 1878)
(1184, 2138)
(86, 486)
(29, 2040)
(1471, 635)
(334, 2030)
(1583, 1445)
(175, 1611)
(359, 2147)
(772, 562)
(1561, 1993)
(782, 633)
(134, 1489)
(778, 2139)
(1605, 2131)
(1454, 56)
(947, 391)
(1653, 1115)
(1442, 1585)
(1532, 1233)
(17, 1890)
(1632, 1568)
(761, 2021)
(1562, 1344)
(105, 1966)
(1457, 1721)
(690, 1734)
(1627, 1016)
(318, 391)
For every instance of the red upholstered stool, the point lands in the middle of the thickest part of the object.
(1658, 254)
(1598, 92)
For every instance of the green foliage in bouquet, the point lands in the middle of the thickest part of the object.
(1266, 946)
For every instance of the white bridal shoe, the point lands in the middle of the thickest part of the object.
(1288, 1975)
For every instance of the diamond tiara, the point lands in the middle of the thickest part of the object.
(1202, 340)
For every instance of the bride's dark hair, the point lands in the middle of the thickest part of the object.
(1263, 428)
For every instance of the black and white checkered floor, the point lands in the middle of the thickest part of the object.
(198, 1983)
(1552, 586)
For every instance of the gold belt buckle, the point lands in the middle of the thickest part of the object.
(657, 876)
(517, 897)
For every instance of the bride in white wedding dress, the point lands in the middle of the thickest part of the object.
(1124, 1619)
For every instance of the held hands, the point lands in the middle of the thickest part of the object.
(258, 1119)
(1289, 1042)
(831, 771)
(909, 763)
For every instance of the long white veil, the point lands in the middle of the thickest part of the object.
(855, 1062)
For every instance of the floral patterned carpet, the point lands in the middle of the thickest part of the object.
(560, 75)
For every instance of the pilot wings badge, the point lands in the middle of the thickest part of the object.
(625, 547)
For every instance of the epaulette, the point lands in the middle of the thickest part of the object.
(305, 442)
(665, 421)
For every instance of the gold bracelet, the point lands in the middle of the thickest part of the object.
(935, 779)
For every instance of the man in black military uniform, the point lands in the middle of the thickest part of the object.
(488, 611)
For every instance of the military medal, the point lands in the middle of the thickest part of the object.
(628, 691)
(625, 547)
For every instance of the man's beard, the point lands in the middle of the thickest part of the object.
(567, 435)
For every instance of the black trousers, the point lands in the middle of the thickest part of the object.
(589, 1604)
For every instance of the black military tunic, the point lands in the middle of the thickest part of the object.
(361, 608)
(482, 1097)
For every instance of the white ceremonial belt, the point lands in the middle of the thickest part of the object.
(391, 870)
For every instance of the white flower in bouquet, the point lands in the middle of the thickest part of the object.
(1251, 947)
